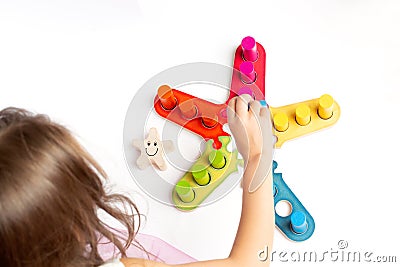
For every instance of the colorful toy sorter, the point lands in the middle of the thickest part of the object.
(216, 163)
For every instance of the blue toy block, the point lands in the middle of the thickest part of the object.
(263, 103)
(299, 225)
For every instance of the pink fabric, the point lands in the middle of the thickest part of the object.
(159, 250)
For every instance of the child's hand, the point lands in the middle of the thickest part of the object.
(250, 124)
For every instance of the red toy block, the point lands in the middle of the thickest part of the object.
(197, 115)
(249, 62)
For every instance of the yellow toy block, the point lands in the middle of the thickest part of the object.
(209, 171)
(302, 118)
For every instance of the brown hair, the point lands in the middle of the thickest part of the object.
(50, 192)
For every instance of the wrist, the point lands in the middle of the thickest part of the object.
(253, 157)
(258, 158)
(257, 161)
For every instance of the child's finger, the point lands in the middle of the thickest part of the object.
(231, 109)
(255, 106)
(242, 105)
(264, 112)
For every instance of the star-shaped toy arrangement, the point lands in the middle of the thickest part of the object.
(206, 119)
(153, 150)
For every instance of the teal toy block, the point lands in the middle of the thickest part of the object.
(299, 225)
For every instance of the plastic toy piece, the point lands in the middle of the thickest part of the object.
(184, 191)
(325, 108)
(217, 175)
(207, 122)
(246, 90)
(217, 159)
(249, 52)
(209, 118)
(249, 48)
(299, 225)
(281, 121)
(263, 103)
(166, 97)
(298, 222)
(303, 115)
(152, 150)
(247, 73)
(188, 109)
(299, 123)
(201, 175)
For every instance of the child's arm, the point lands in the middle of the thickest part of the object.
(257, 223)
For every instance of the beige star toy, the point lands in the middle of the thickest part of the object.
(152, 150)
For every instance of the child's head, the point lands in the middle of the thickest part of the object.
(50, 192)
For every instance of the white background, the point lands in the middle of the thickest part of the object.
(82, 61)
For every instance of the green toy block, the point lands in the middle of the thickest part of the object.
(208, 172)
